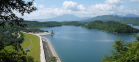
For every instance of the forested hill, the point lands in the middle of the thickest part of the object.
(73, 23)
(111, 26)
(125, 20)
(36, 24)
(106, 18)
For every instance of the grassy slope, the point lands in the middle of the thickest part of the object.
(35, 48)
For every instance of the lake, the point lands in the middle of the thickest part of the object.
(77, 44)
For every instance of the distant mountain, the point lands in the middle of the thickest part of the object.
(126, 20)
(106, 18)
(128, 15)
(65, 17)
(131, 15)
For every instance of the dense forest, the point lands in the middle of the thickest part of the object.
(111, 26)
(10, 48)
(131, 20)
(73, 23)
(36, 24)
(9, 34)
(33, 30)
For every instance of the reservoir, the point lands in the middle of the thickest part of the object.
(77, 44)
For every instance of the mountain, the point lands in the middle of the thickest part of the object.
(106, 18)
(65, 17)
(126, 20)
(128, 15)
(131, 15)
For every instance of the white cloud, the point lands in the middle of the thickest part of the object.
(73, 6)
(53, 6)
(41, 6)
(69, 7)
(35, 4)
(138, 5)
(133, 0)
(113, 2)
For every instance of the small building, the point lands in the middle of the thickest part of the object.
(27, 50)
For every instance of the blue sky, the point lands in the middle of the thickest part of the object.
(82, 8)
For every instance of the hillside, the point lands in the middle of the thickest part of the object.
(106, 18)
(111, 26)
(65, 17)
(125, 20)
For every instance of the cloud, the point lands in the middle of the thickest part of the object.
(133, 0)
(104, 7)
(69, 7)
(113, 2)
(73, 6)
(35, 4)
(53, 6)
(41, 6)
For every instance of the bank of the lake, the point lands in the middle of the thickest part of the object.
(76, 44)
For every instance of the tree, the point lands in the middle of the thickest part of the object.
(124, 51)
(8, 7)
(52, 59)
(7, 15)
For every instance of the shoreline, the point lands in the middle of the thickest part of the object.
(111, 32)
(50, 46)
(52, 50)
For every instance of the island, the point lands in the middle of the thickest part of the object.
(111, 26)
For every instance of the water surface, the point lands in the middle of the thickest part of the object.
(76, 44)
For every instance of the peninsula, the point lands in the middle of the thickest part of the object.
(111, 26)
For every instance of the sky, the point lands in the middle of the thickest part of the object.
(81, 8)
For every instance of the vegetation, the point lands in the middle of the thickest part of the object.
(73, 23)
(14, 54)
(9, 7)
(52, 59)
(125, 20)
(35, 24)
(124, 51)
(111, 26)
(9, 35)
(131, 20)
(33, 30)
(106, 18)
(35, 47)
(10, 48)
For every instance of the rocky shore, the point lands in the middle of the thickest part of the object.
(49, 50)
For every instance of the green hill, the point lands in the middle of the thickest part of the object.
(106, 18)
(125, 20)
(111, 26)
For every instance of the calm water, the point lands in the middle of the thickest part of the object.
(76, 44)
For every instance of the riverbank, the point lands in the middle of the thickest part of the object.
(106, 31)
(49, 50)
(46, 48)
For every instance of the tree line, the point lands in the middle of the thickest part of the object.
(111, 26)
